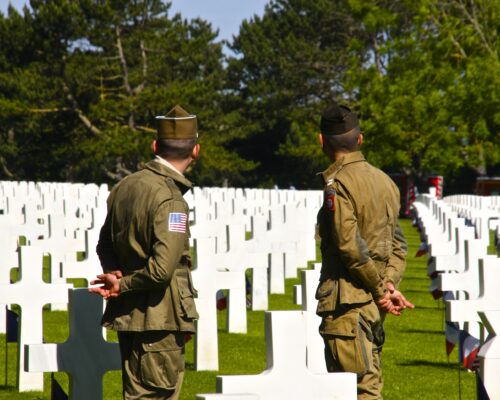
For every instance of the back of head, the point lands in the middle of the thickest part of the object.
(177, 132)
(340, 128)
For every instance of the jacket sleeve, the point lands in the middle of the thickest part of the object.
(353, 249)
(397, 260)
(104, 249)
(168, 246)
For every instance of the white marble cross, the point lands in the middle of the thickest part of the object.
(208, 278)
(61, 247)
(467, 281)
(287, 376)
(315, 345)
(489, 354)
(243, 254)
(31, 293)
(466, 311)
(455, 259)
(89, 267)
(277, 260)
(86, 356)
(489, 287)
(8, 260)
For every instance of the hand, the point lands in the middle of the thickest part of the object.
(117, 273)
(385, 304)
(397, 298)
(110, 284)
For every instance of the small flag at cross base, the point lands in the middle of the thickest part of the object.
(422, 250)
(469, 347)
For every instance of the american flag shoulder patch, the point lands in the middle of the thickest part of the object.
(177, 222)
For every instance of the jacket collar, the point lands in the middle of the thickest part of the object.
(329, 173)
(161, 169)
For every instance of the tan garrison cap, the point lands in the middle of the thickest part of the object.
(177, 124)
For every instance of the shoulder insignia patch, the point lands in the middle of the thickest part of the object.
(330, 198)
(177, 222)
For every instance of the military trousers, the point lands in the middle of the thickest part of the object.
(152, 364)
(353, 338)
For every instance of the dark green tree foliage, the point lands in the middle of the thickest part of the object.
(83, 80)
(288, 65)
(430, 98)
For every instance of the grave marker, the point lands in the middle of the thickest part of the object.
(31, 293)
(286, 375)
(86, 356)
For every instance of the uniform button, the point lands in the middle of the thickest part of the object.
(352, 331)
(149, 344)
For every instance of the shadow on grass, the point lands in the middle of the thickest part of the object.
(436, 308)
(423, 331)
(427, 363)
(415, 278)
(417, 291)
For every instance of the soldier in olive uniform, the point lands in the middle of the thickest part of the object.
(363, 251)
(144, 252)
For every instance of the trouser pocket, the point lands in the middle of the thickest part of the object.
(326, 294)
(162, 360)
(348, 345)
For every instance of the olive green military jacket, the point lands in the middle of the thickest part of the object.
(362, 244)
(146, 236)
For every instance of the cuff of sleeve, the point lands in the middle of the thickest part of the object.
(124, 284)
(380, 290)
(395, 279)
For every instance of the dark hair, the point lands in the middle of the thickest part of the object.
(175, 149)
(346, 142)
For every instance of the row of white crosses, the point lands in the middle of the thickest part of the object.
(281, 224)
(86, 355)
(295, 358)
(457, 230)
(56, 220)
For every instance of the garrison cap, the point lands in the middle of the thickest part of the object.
(177, 124)
(337, 120)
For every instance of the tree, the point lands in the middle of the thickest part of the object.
(84, 87)
(430, 97)
(288, 65)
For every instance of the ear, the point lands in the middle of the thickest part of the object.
(321, 139)
(196, 151)
(154, 146)
(360, 140)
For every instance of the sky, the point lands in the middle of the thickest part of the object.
(226, 15)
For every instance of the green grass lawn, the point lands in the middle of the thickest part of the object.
(415, 364)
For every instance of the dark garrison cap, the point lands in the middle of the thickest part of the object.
(337, 120)
(177, 124)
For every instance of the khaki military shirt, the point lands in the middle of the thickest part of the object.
(146, 236)
(362, 244)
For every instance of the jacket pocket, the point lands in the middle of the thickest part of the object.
(326, 294)
(162, 360)
(351, 342)
(186, 294)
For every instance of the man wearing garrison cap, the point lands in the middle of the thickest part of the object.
(363, 254)
(144, 252)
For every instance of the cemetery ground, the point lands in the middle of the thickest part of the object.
(414, 360)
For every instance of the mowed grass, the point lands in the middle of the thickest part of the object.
(415, 364)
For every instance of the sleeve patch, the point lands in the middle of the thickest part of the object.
(177, 222)
(330, 199)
